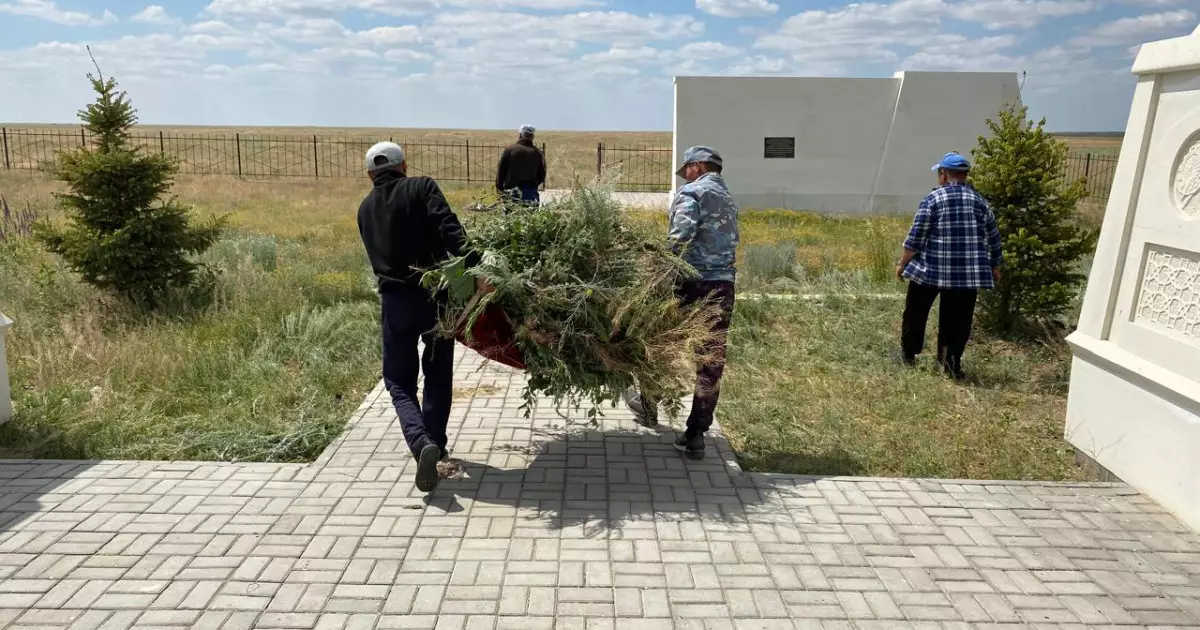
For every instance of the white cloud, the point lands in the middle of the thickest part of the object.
(471, 61)
(405, 55)
(624, 55)
(49, 11)
(858, 32)
(760, 65)
(155, 14)
(1138, 30)
(610, 27)
(738, 8)
(285, 8)
(997, 14)
(707, 50)
(390, 35)
(309, 30)
(874, 32)
(212, 27)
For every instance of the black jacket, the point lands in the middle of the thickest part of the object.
(521, 164)
(406, 225)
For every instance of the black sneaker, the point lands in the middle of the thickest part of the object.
(954, 369)
(643, 414)
(908, 359)
(690, 445)
(427, 472)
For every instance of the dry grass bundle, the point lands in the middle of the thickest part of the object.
(592, 299)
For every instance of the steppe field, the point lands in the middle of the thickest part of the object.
(270, 364)
(636, 160)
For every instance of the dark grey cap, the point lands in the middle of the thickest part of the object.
(699, 154)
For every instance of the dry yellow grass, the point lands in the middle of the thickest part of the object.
(1104, 145)
(457, 158)
(326, 152)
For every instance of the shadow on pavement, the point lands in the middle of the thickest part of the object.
(610, 483)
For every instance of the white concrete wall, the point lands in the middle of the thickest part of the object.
(862, 145)
(1134, 403)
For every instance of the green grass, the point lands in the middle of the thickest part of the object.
(269, 371)
(272, 369)
(784, 251)
(814, 388)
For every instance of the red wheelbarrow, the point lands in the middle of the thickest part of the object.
(492, 335)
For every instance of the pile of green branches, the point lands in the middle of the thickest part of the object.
(591, 297)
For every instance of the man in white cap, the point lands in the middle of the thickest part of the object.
(522, 169)
(406, 225)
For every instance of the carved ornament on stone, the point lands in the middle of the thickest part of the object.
(1170, 293)
(1185, 183)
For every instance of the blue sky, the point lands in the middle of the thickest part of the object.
(559, 64)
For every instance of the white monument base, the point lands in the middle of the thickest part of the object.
(1143, 433)
(1134, 405)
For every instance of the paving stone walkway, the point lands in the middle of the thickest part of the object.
(570, 526)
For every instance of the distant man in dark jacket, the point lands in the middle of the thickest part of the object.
(406, 225)
(522, 169)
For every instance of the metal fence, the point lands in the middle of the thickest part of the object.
(635, 169)
(1097, 168)
(465, 163)
(267, 156)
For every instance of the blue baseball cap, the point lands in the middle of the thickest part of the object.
(699, 154)
(952, 161)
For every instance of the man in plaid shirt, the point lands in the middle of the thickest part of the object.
(952, 251)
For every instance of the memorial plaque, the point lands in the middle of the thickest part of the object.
(779, 148)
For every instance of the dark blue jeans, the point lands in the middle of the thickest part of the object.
(410, 315)
(527, 194)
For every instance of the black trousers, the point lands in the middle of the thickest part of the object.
(708, 377)
(409, 315)
(956, 313)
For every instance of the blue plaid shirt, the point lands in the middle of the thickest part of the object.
(955, 238)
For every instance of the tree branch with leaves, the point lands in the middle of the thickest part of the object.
(1021, 170)
(125, 233)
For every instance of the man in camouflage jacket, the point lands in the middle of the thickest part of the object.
(704, 231)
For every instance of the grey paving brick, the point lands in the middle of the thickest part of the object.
(601, 528)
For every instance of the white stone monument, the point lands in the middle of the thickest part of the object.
(836, 145)
(5, 394)
(1134, 405)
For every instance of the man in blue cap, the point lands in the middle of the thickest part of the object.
(704, 232)
(953, 250)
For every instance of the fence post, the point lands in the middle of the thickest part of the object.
(1087, 165)
(237, 139)
(6, 410)
(599, 159)
(7, 163)
(82, 138)
(162, 146)
(547, 162)
(468, 160)
(316, 166)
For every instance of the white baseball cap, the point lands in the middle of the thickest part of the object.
(384, 155)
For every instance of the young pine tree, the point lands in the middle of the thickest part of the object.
(125, 235)
(1021, 171)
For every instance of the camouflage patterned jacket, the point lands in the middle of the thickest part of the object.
(704, 228)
